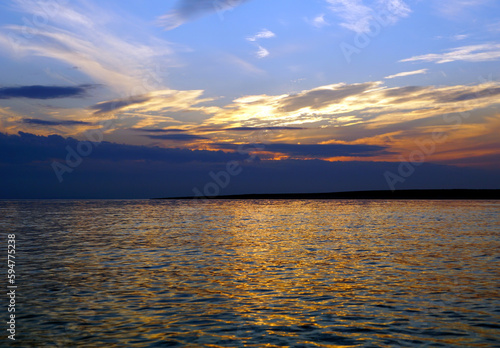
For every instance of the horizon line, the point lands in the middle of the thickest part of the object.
(431, 194)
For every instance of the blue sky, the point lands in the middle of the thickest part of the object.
(215, 74)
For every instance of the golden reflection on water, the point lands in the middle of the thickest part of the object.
(259, 273)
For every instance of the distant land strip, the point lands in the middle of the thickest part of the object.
(452, 194)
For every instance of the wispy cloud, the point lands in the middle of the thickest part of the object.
(407, 73)
(262, 52)
(454, 8)
(155, 102)
(319, 21)
(79, 35)
(460, 37)
(355, 14)
(342, 105)
(472, 53)
(358, 15)
(362, 113)
(242, 64)
(244, 129)
(263, 34)
(494, 27)
(187, 10)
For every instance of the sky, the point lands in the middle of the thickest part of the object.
(126, 99)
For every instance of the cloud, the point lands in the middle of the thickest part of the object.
(118, 104)
(454, 8)
(460, 37)
(363, 113)
(178, 137)
(44, 124)
(242, 65)
(79, 35)
(261, 128)
(312, 150)
(358, 15)
(324, 104)
(477, 93)
(40, 122)
(29, 148)
(355, 15)
(493, 27)
(187, 10)
(154, 102)
(397, 8)
(407, 73)
(262, 52)
(319, 21)
(472, 53)
(323, 96)
(44, 92)
(263, 34)
(159, 172)
(156, 130)
(407, 91)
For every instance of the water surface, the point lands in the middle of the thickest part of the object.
(303, 273)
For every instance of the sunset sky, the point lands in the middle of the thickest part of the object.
(321, 95)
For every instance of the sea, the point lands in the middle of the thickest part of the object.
(253, 273)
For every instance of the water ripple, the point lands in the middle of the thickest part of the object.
(256, 273)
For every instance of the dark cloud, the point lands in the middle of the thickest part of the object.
(406, 94)
(313, 150)
(116, 104)
(40, 122)
(26, 148)
(127, 171)
(186, 10)
(319, 98)
(177, 137)
(479, 161)
(458, 97)
(44, 92)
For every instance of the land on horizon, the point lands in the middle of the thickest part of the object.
(437, 194)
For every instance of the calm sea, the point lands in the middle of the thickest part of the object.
(273, 273)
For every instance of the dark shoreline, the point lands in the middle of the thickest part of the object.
(453, 194)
